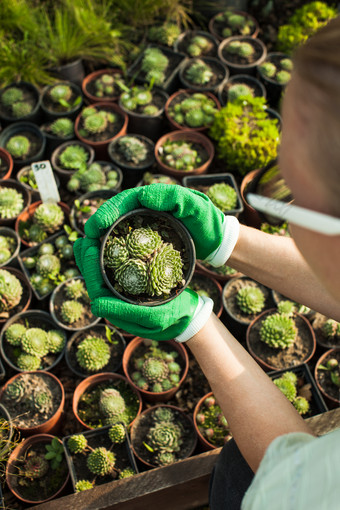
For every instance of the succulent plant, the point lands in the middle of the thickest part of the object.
(239, 89)
(155, 370)
(290, 376)
(105, 84)
(35, 466)
(10, 291)
(132, 149)
(268, 69)
(287, 387)
(7, 245)
(18, 146)
(163, 414)
(195, 110)
(117, 433)
(101, 461)
(222, 196)
(165, 34)
(111, 404)
(83, 485)
(115, 253)
(14, 334)
(180, 155)
(48, 265)
(62, 127)
(126, 473)
(73, 157)
(75, 289)
(11, 202)
(132, 276)
(278, 331)
(199, 73)
(142, 242)
(28, 362)
(283, 77)
(71, 311)
(165, 437)
(36, 234)
(35, 342)
(331, 328)
(93, 353)
(250, 300)
(11, 95)
(149, 178)
(42, 401)
(15, 391)
(165, 458)
(301, 405)
(21, 109)
(286, 307)
(199, 45)
(286, 64)
(165, 271)
(60, 92)
(77, 443)
(49, 216)
(56, 340)
(154, 64)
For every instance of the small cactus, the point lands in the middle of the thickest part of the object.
(126, 473)
(239, 89)
(101, 461)
(301, 405)
(93, 354)
(165, 34)
(95, 123)
(28, 362)
(165, 437)
(49, 217)
(56, 340)
(165, 270)
(73, 157)
(250, 300)
(132, 276)
(117, 433)
(48, 265)
(14, 334)
(83, 485)
(198, 46)
(163, 414)
(10, 291)
(331, 328)
(199, 73)
(132, 149)
(268, 69)
(111, 403)
(278, 331)
(75, 289)
(11, 202)
(115, 253)
(287, 387)
(60, 92)
(71, 311)
(77, 443)
(155, 370)
(11, 96)
(63, 127)
(222, 196)
(18, 146)
(154, 65)
(35, 342)
(165, 458)
(21, 109)
(283, 77)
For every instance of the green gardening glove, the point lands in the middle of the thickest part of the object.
(162, 322)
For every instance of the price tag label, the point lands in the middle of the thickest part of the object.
(45, 181)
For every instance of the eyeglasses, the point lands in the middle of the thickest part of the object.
(269, 194)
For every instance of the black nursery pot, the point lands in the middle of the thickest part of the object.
(195, 182)
(184, 240)
(247, 79)
(50, 114)
(103, 193)
(72, 71)
(274, 89)
(53, 141)
(221, 74)
(34, 134)
(9, 232)
(184, 39)
(35, 114)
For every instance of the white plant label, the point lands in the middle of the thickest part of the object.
(45, 181)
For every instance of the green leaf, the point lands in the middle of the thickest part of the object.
(64, 103)
(74, 236)
(49, 455)
(77, 101)
(67, 229)
(148, 447)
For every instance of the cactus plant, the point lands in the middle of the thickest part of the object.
(199, 73)
(142, 242)
(60, 92)
(250, 300)
(165, 271)
(18, 146)
(132, 149)
(73, 157)
(7, 246)
(301, 405)
(180, 155)
(126, 473)
(11, 202)
(117, 433)
(71, 311)
(268, 69)
(93, 353)
(139, 99)
(75, 289)
(10, 291)
(83, 485)
(56, 340)
(106, 85)
(154, 65)
(77, 443)
(287, 387)
(28, 362)
(101, 461)
(222, 196)
(195, 110)
(331, 328)
(48, 265)
(278, 331)
(11, 96)
(239, 89)
(165, 34)
(62, 127)
(49, 217)
(199, 45)
(21, 109)
(111, 404)
(155, 370)
(14, 334)
(132, 276)
(35, 342)
(115, 253)
(283, 77)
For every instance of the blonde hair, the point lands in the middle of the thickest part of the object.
(317, 64)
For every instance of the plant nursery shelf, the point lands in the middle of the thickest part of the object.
(183, 485)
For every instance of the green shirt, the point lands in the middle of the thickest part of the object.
(297, 472)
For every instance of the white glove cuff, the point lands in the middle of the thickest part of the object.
(231, 230)
(202, 314)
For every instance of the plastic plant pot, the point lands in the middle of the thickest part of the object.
(241, 66)
(72, 71)
(6, 166)
(181, 240)
(104, 194)
(8, 232)
(151, 396)
(11, 183)
(201, 280)
(251, 216)
(214, 28)
(88, 87)
(35, 195)
(47, 106)
(25, 298)
(329, 391)
(53, 141)
(65, 174)
(184, 39)
(33, 133)
(273, 87)
(33, 92)
(246, 79)
(220, 74)
(216, 273)
(205, 444)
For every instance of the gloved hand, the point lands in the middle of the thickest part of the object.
(180, 318)
(214, 234)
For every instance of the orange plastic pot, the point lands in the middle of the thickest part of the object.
(5, 155)
(330, 400)
(252, 217)
(94, 76)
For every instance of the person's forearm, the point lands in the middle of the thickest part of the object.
(256, 410)
(276, 262)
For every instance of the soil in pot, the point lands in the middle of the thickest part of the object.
(300, 351)
(327, 331)
(326, 378)
(205, 286)
(211, 425)
(132, 151)
(203, 73)
(242, 52)
(99, 348)
(99, 123)
(141, 240)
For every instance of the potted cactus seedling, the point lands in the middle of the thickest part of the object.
(327, 376)
(105, 399)
(240, 85)
(9, 246)
(62, 99)
(87, 205)
(32, 341)
(147, 257)
(27, 178)
(70, 305)
(134, 154)
(221, 273)
(94, 350)
(6, 164)
(242, 54)
(99, 456)
(187, 109)
(15, 293)
(103, 85)
(280, 340)
(35, 401)
(184, 152)
(211, 425)
(327, 331)
(37, 469)
(19, 101)
(14, 198)
(98, 176)
(203, 74)
(162, 435)
(156, 370)
(275, 72)
(165, 35)
(286, 305)
(196, 43)
(24, 141)
(149, 178)
(70, 157)
(97, 125)
(57, 132)
(233, 22)
(207, 286)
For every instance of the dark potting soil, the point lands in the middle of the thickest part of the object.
(35, 144)
(230, 301)
(88, 405)
(40, 488)
(111, 130)
(56, 107)
(215, 80)
(168, 234)
(324, 379)
(120, 160)
(22, 413)
(87, 318)
(327, 342)
(244, 61)
(116, 350)
(4, 316)
(202, 283)
(282, 358)
(29, 98)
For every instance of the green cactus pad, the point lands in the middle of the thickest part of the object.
(199, 73)
(18, 146)
(62, 127)
(75, 289)
(28, 362)
(155, 370)
(111, 403)
(126, 473)
(115, 253)
(301, 405)
(48, 265)
(11, 95)
(59, 92)
(222, 196)
(287, 387)
(49, 216)
(73, 157)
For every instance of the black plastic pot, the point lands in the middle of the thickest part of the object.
(247, 79)
(184, 39)
(52, 141)
(221, 74)
(104, 193)
(11, 183)
(318, 404)
(18, 128)
(39, 319)
(64, 174)
(51, 115)
(131, 173)
(239, 68)
(35, 114)
(72, 71)
(35, 195)
(274, 89)
(208, 180)
(209, 9)
(8, 232)
(171, 82)
(184, 238)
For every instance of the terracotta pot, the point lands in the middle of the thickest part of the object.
(266, 366)
(189, 136)
(221, 278)
(94, 76)
(5, 156)
(205, 444)
(134, 429)
(218, 306)
(52, 424)
(325, 343)
(236, 68)
(186, 93)
(63, 174)
(217, 35)
(330, 400)
(11, 183)
(27, 214)
(150, 396)
(252, 217)
(12, 473)
(23, 304)
(93, 380)
(8, 232)
(100, 147)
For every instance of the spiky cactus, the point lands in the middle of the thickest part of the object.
(49, 216)
(111, 404)
(42, 401)
(301, 405)
(14, 334)
(11, 95)
(35, 466)
(77, 443)
(93, 354)
(154, 65)
(180, 155)
(28, 362)
(115, 253)
(287, 387)
(331, 329)
(198, 46)
(126, 473)
(283, 77)
(83, 485)
(278, 331)
(10, 291)
(132, 149)
(95, 123)
(15, 391)
(250, 300)
(18, 146)
(268, 69)
(56, 340)
(117, 433)
(155, 370)
(60, 92)
(75, 289)
(11, 202)
(165, 34)
(142, 242)
(199, 73)
(63, 127)
(73, 157)
(21, 109)
(101, 461)
(165, 437)
(165, 271)
(239, 89)
(132, 276)
(35, 342)
(48, 265)
(222, 196)
(71, 311)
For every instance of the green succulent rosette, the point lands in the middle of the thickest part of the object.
(223, 196)
(278, 331)
(132, 276)
(165, 437)
(165, 271)
(115, 253)
(142, 242)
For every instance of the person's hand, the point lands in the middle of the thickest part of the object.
(214, 234)
(180, 318)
